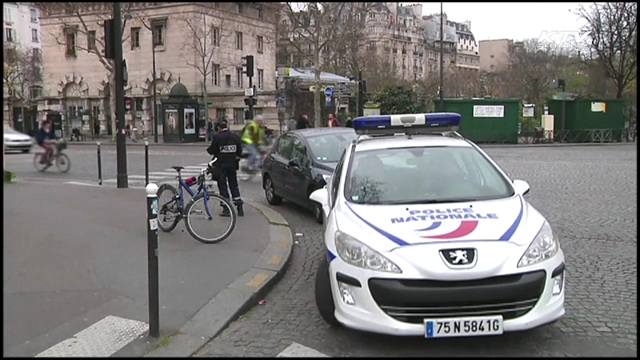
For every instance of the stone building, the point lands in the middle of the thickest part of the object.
(22, 41)
(77, 83)
(494, 54)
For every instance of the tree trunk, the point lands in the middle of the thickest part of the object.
(112, 105)
(206, 107)
(317, 110)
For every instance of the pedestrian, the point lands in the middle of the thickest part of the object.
(209, 130)
(349, 123)
(333, 121)
(303, 122)
(226, 147)
(96, 128)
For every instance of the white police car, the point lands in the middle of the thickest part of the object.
(427, 236)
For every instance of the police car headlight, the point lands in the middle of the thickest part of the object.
(358, 254)
(543, 247)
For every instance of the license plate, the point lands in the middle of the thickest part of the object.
(467, 326)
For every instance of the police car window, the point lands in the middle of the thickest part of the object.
(337, 174)
(406, 175)
(285, 146)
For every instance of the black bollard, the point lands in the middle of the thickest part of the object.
(146, 162)
(152, 259)
(99, 165)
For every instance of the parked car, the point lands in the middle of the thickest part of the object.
(299, 163)
(15, 140)
(425, 235)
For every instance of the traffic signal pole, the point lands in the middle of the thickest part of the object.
(121, 150)
(248, 69)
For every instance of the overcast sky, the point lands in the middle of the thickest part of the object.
(516, 21)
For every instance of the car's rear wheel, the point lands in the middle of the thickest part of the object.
(318, 213)
(270, 192)
(324, 296)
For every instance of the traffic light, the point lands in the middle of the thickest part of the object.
(247, 65)
(250, 101)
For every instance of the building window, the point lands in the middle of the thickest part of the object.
(37, 56)
(239, 77)
(34, 16)
(260, 44)
(491, 67)
(221, 113)
(238, 40)
(257, 111)
(215, 75)
(10, 34)
(135, 38)
(215, 36)
(91, 40)
(492, 56)
(34, 35)
(260, 14)
(35, 92)
(7, 14)
(139, 103)
(71, 37)
(227, 80)
(260, 78)
(238, 116)
(159, 28)
(239, 8)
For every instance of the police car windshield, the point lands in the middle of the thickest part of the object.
(328, 148)
(423, 175)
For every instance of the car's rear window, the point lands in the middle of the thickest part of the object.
(327, 148)
(423, 175)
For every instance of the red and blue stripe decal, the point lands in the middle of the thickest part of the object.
(465, 228)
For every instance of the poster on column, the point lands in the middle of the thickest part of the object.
(171, 121)
(189, 121)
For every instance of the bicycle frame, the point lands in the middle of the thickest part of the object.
(193, 193)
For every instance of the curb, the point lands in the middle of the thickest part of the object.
(239, 296)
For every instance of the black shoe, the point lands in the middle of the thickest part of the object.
(240, 210)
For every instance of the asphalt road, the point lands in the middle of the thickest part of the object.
(75, 254)
(588, 194)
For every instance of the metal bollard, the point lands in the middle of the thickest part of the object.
(99, 165)
(146, 162)
(152, 259)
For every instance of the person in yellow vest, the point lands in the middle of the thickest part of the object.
(252, 138)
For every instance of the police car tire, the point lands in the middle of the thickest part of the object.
(318, 213)
(323, 294)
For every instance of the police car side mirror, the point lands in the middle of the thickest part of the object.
(320, 196)
(521, 187)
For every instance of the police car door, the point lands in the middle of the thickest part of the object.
(299, 176)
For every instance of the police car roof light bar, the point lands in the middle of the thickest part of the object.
(409, 124)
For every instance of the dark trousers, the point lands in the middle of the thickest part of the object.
(228, 175)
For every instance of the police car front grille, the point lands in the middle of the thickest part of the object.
(508, 311)
(413, 301)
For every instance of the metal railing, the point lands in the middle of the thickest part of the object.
(549, 136)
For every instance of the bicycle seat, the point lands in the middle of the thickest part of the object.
(177, 168)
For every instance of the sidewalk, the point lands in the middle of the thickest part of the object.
(75, 255)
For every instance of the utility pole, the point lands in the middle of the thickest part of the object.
(155, 106)
(121, 150)
(361, 91)
(441, 59)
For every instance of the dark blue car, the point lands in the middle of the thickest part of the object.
(300, 161)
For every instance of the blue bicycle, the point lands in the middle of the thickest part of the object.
(199, 212)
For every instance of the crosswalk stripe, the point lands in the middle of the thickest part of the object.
(164, 173)
(102, 339)
(143, 177)
(297, 350)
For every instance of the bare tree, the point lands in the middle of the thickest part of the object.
(22, 71)
(85, 16)
(613, 29)
(315, 23)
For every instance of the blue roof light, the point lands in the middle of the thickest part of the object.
(417, 123)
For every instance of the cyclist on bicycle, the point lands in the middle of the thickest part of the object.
(252, 137)
(226, 146)
(46, 138)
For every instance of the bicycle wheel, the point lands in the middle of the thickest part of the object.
(63, 163)
(168, 208)
(36, 162)
(200, 224)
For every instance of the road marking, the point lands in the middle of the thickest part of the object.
(275, 259)
(80, 183)
(102, 339)
(164, 173)
(258, 280)
(297, 350)
(142, 176)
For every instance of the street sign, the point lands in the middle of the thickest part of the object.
(328, 101)
(328, 91)
(248, 92)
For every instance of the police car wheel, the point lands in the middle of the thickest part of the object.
(324, 297)
(270, 192)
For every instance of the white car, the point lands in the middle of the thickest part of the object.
(425, 235)
(15, 140)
